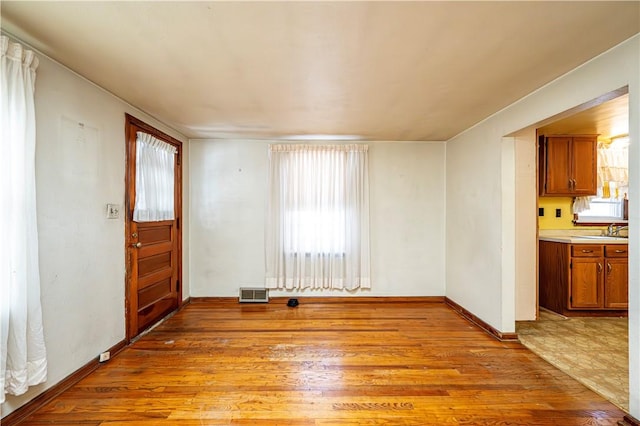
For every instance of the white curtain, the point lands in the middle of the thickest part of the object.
(317, 230)
(154, 179)
(612, 172)
(23, 361)
(613, 167)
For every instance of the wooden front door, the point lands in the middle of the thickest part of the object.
(153, 249)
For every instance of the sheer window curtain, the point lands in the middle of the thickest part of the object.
(317, 230)
(155, 161)
(23, 361)
(612, 173)
(613, 166)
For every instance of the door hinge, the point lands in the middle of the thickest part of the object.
(178, 223)
(570, 265)
(177, 285)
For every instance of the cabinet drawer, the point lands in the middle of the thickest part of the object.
(586, 250)
(616, 250)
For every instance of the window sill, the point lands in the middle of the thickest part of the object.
(592, 221)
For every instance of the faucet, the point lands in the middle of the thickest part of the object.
(614, 231)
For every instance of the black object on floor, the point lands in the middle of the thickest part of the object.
(292, 303)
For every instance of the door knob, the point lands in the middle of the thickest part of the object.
(137, 245)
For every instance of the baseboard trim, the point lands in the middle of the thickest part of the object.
(464, 313)
(629, 421)
(194, 300)
(357, 299)
(22, 413)
(329, 299)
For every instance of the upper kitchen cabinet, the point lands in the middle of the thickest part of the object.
(568, 165)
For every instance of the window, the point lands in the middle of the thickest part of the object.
(603, 210)
(317, 230)
(154, 179)
(613, 185)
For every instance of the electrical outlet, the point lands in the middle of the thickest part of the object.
(113, 211)
(541, 211)
(558, 212)
(105, 356)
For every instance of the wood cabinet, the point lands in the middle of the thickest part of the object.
(587, 280)
(568, 165)
(583, 279)
(616, 283)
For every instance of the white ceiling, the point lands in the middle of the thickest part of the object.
(289, 70)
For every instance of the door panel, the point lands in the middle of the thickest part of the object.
(617, 284)
(153, 248)
(585, 165)
(558, 165)
(586, 283)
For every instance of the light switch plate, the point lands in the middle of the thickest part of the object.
(113, 211)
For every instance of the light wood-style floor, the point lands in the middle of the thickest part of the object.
(218, 363)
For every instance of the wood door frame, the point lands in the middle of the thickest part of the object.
(131, 123)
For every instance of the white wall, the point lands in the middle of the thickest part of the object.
(481, 234)
(228, 188)
(526, 222)
(82, 265)
(632, 68)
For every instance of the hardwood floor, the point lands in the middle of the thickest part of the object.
(217, 363)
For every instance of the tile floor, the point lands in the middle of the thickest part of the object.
(594, 351)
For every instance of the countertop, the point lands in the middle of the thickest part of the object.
(583, 239)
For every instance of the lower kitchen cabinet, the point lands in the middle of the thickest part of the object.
(583, 279)
(616, 285)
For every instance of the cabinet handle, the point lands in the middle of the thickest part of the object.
(609, 267)
(599, 267)
(621, 251)
(574, 184)
(587, 251)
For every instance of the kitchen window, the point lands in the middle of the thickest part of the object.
(610, 204)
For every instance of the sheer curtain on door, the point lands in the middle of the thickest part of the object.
(23, 358)
(317, 230)
(155, 160)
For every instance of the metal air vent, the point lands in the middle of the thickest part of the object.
(253, 295)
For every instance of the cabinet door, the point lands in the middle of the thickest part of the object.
(616, 283)
(558, 166)
(584, 165)
(586, 283)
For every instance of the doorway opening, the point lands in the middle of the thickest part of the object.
(556, 336)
